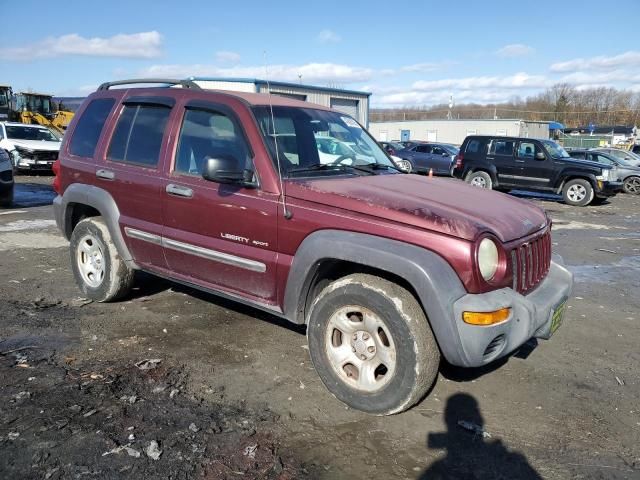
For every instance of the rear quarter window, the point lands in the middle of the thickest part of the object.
(89, 127)
(474, 146)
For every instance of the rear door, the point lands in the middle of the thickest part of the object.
(218, 236)
(501, 155)
(130, 172)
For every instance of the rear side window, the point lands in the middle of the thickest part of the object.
(89, 126)
(138, 135)
(501, 147)
(473, 146)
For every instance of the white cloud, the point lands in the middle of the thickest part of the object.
(583, 78)
(311, 72)
(426, 67)
(627, 59)
(518, 80)
(227, 57)
(328, 36)
(134, 45)
(515, 50)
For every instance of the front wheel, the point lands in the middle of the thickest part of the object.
(578, 192)
(97, 266)
(632, 185)
(480, 179)
(371, 344)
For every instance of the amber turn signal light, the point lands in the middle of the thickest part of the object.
(486, 318)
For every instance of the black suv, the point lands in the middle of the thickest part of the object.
(506, 163)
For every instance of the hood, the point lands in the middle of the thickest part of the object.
(37, 144)
(581, 161)
(447, 206)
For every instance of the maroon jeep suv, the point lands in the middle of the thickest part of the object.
(294, 209)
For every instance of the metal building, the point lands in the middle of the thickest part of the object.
(351, 102)
(455, 131)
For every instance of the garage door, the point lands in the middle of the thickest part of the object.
(344, 105)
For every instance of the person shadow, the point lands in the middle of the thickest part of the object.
(471, 454)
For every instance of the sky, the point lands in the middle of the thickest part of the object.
(406, 53)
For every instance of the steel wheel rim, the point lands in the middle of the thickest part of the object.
(633, 186)
(576, 193)
(90, 260)
(360, 349)
(479, 182)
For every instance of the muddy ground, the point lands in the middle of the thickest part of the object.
(235, 395)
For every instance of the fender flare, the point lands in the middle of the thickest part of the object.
(490, 169)
(433, 279)
(571, 174)
(102, 201)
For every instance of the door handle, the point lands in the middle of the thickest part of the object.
(106, 174)
(519, 161)
(179, 190)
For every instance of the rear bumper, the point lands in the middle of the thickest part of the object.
(608, 189)
(531, 316)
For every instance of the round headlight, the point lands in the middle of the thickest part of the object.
(488, 258)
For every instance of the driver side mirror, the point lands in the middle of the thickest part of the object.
(224, 170)
(540, 156)
(445, 154)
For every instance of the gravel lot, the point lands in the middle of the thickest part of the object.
(235, 394)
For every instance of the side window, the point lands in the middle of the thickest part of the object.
(501, 147)
(87, 132)
(207, 134)
(138, 135)
(580, 155)
(602, 159)
(438, 151)
(423, 149)
(526, 150)
(473, 146)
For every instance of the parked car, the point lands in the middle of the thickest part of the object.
(506, 163)
(636, 149)
(31, 147)
(424, 157)
(392, 147)
(6, 180)
(628, 174)
(625, 155)
(388, 271)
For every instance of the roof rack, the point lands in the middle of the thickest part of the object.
(169, 81)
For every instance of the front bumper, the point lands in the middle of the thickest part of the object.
(531, 316)
(608, 189)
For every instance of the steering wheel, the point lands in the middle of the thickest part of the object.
(342, 158)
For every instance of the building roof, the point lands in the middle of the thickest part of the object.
(466, 120)
(274, 83)
(603, 130)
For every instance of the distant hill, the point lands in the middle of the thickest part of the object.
(70, 103)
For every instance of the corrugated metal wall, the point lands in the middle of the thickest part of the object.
(455, 131)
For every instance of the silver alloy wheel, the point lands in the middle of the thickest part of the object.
(478, 181)
(633, 185)
(360, 349)
(90, 258)
(576, 192)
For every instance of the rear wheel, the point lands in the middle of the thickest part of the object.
(480, 179)
(578, 192)
(100, 272)
(6, 199)
(632, 185)
(371, 344)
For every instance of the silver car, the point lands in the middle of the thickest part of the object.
(627, 173)
(619, 154)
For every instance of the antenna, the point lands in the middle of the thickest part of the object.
(287, 214)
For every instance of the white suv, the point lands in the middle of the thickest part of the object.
(31, 147)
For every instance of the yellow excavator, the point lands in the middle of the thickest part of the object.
(36, 108)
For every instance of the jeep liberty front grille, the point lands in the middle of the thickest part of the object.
(530, 262)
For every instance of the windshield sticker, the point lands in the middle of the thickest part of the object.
(350, 122)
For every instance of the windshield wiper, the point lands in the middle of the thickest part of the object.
(330, 166)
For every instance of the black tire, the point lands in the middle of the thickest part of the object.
(6, 199)
(577, 192)
(631, 185)
(115, 279)
(406, 330)
(480, 179)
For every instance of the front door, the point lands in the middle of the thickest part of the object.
(218, 236)
(441, 160)
(534, 172)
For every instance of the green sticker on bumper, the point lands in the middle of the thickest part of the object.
(556, 319)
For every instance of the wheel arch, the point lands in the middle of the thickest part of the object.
(82, 201)
(331, 254)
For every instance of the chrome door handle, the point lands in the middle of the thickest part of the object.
(106, 174)
(519, 161)
(179, 190)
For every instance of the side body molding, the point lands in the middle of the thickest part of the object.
(102, 201)
(435, 282)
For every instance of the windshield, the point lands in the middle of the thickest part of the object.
(309, 139)
(554, 150)
(18, 132)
